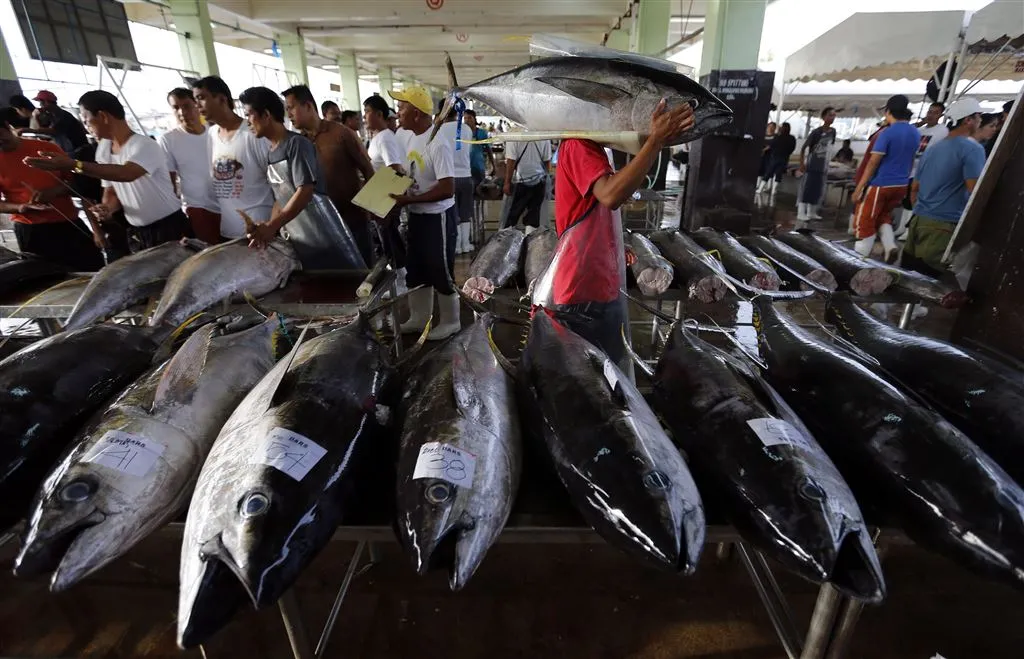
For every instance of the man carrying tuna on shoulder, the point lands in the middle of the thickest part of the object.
(583, 282)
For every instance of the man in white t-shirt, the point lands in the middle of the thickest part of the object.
(239, 160)
(463, 177)
(189, 154)
(431, 205)
(134, 171)
(385, 151)
(526, 174)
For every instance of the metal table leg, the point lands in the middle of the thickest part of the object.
(908, 312)
(848, 617)
(332, 617)
(819, 635)
(772, 598)
(293, 626)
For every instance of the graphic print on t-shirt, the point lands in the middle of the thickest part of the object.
(227, 178)
(415, 159)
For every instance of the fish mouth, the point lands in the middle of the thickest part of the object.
(856, 571)
(41, 555)
(215, 598)
(214, 551)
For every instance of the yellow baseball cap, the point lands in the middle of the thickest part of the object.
(418, 97)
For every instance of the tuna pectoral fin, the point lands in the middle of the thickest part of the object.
(215, 598)
(586, 90)
(857, 571)
(181, 377)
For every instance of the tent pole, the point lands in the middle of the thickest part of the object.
(961, 64)
(945, 77)
(782, 96)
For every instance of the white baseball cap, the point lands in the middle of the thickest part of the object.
(964, 108)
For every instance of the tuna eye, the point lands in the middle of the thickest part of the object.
(76, 492)
(811, 490)
(439, 493)
(657, 481)
(254, 505)
(694, 103)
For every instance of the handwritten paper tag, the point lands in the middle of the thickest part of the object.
(130, 454)
(445, 462)
(289, 452)
(773, 432)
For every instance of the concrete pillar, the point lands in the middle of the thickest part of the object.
(732, 35)
(9, 84)
(385, 80)
(195, 35)
(293, 54)
(349, 72)
(650, 29)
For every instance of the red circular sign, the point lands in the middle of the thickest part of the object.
(435, 4)
(478, 58)
(461, 37)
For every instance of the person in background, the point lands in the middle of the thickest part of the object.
(189, 159)
(134, 173)
(946, 177)
(25, 110)
(782, 147)
(342, 159)
(393, 121)
(45, 219)
(331, 111)
(67, 131)
(464, 187)
(264, 113)
(930, 129)
(385, 151)
(582, 284)
(845, 154)
(881, 187)
(769, 135)
(431, 206)
(526, 174)
(479, 157)
(988, 130)
(814, 158)
(239, 160)
(350, 118)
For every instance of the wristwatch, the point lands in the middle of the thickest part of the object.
(79, 167)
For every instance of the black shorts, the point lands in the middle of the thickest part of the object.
(598, 322)
(61, 242)
(430, 260)
(526, 199)
(173, 227)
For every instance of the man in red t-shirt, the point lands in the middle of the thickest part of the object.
(587, 268)
(45, 219)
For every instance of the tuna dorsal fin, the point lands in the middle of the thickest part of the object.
(586, 90)
(276, 375)
(180, 378)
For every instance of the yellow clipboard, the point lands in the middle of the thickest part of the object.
(375, 196)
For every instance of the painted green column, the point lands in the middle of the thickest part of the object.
(293, 55)
(195, 35)
(349, 72)
(650, 29)
(385, 80)
(618, 39)
(732, 35)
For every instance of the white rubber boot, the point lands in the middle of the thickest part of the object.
(864, 247)
(467, 246)
(400, 287)
(760, 186)
(812, 212)
(801, 211)
(458, 239)
(849, 228)
(421, 307)
(888, 238)
(774, 186)
(450, 321)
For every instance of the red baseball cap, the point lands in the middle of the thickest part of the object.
(45, 95)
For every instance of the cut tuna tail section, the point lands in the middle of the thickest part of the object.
(450, 98)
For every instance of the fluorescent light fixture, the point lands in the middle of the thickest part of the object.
(170, 26)
(684, 19)
(329, 67)
(268, 51)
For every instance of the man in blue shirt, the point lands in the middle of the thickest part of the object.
(946, 176)
(883, 184)
(478, 157)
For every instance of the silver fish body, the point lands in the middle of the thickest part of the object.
(621, 470)
(133, 468)
(595, 94)
(540, 247)
(130, 280)
(793, 259)
(498, 260)
(460, 455)
(222, 272)
(852, 271)
(279, 477)
(652, 271)
(696, 271)
(738, 260)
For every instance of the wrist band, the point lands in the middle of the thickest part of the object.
(79, 167)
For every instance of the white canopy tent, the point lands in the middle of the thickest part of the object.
(987, 44)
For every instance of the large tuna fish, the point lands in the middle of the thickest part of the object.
(460, 455)
(495, 264)
(133, 469)
(851, 270)
(775, 484)
(48, 390)
(621, 470)
(595, 94)
(696, 271)
(222, 272)
(652, 271)
(738, 260)
(539, 248)
(901, 457)
(279, 477)
(19, 270)
(976, 398)
(130, 280)
(796, 261)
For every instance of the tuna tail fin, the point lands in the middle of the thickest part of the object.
(449, 101)
(479, 308)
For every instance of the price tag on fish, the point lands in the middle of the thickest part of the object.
(445, 462)
(130, 454)
(289, 452)
(773, 432)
